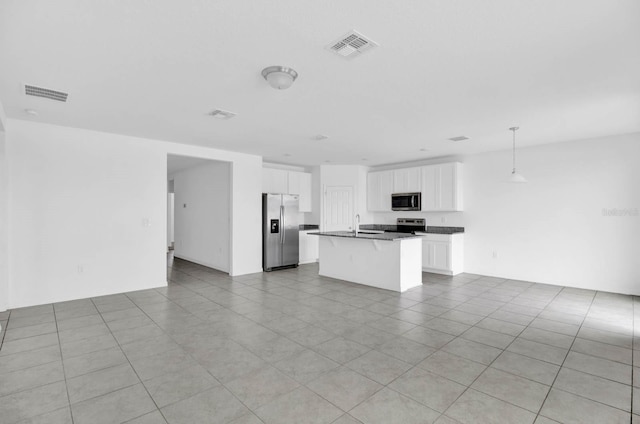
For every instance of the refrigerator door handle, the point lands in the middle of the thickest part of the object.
(282, 227)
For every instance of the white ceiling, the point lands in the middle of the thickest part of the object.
(561, 70)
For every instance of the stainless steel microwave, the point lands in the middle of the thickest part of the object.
(406, 201)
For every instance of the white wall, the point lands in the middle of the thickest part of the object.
(552, 229)
(4, 224)
(202, 227)
(316, 197)
(170, 218)
(82, 201)
(4, 216)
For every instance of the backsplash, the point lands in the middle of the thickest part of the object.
(451, 219)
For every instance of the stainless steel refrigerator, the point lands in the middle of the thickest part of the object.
(279, 231)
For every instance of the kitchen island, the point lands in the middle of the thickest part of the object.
(391, 261)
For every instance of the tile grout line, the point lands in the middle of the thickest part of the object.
(190, 356)
(567, 355)
(489, 365)
(4, 333)
(130, 364)
(633, 348)
(305, 384)
(64, 374)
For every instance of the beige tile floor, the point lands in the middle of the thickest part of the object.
(292, 347)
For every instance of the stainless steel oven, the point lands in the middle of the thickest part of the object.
(410, 225)
(406, 201)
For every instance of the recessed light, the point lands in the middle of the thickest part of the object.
(364, 159)
(320, 137)
(327, 161)
(424, 150)
(459, 138)
(222, 114)
(287, 154)
(31, 112)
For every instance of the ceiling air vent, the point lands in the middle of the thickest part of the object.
(32, 90)
(222, 114)
(351, 45)
(459, 138)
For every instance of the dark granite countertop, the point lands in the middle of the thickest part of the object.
(444, 230)
(307, 227)
(387, 236)
(430, 229)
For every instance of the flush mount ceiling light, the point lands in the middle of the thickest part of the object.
(279, 77)
(515, 177)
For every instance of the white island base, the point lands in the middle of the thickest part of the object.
(386, 264)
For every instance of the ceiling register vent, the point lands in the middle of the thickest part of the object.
(32, 90)
(351, 45)
(459, 138)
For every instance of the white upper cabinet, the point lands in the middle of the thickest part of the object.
(274, 181)
(288, 182)
(407, 180)
(379, 188)
(300, 184)
(442, 187)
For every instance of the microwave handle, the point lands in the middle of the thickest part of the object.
(413, 198)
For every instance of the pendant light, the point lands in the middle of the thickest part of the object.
(515, 177)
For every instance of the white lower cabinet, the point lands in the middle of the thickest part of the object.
(308, 247)
(443, 253)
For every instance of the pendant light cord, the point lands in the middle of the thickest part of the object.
(514, 152)
(514, 129)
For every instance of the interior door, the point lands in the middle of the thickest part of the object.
(338, 208)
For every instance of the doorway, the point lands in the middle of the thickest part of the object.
(170, 216)
(200, 208)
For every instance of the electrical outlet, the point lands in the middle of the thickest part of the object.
(80, 269)
(443, 219)
(495, 254)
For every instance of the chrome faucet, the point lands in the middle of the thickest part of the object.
(357, 223)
